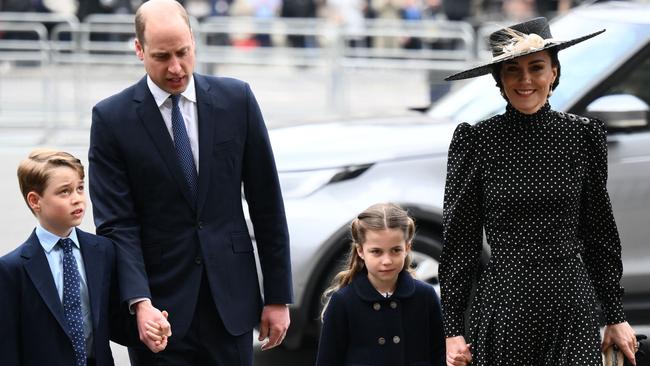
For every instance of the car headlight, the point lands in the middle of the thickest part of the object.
(297, 184)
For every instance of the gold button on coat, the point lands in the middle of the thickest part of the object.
(393, 305)
(376, 306)
(381, 341)
(396, 339)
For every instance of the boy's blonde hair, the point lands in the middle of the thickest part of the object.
(380, 216)
(34, 172)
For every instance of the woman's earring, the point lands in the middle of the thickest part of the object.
(550, 92)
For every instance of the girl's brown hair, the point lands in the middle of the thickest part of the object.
(380, 216)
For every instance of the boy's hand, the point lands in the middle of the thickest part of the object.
(146, 313)
(156, 333)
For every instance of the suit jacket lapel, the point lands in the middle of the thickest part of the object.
(207, 110)
(38, 270)
(155, 125)
(93, 256)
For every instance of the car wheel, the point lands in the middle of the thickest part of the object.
(425, 255)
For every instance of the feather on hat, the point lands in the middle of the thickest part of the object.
(519, 40)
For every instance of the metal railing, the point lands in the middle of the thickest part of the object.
(64, 46)
(331, 40)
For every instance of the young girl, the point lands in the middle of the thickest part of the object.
(377, 313)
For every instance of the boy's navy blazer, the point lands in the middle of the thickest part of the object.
(362, 327)
(165, 241)
(33, 330)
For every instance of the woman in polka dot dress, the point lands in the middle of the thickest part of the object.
(535, 181)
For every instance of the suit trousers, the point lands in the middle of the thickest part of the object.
(207, 341)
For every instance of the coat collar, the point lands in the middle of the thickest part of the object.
(153, 122)
(208, 115)
(209, 111)
(38, 270)
(366, 291)
(95, 260)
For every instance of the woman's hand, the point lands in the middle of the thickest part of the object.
(458, 352)
(622, 335)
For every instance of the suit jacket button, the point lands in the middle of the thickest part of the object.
(199, 225)
(396, 339)
(393, 305)
(381, 341)
(198, 260)
(376, 306)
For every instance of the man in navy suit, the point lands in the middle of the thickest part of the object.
(171, 200)
(56, 289)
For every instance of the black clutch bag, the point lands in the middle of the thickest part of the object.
(614, 357)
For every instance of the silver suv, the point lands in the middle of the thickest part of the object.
(330, 172)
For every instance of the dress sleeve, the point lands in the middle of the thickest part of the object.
(463, 227)
(602, 253)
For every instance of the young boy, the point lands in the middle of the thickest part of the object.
(58, 300)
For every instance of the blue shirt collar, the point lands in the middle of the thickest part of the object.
(49, 240)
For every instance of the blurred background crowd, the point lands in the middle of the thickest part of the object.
(349, 13)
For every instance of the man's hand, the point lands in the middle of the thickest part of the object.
(153, 327)
(458, 352)
(274, 324)
(622, 335)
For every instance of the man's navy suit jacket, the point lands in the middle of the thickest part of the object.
(33, 330)
(164, 240)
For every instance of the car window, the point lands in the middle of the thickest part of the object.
(636, 81)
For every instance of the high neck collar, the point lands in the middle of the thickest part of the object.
(541, 116)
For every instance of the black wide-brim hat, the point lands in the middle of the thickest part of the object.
(519, 40)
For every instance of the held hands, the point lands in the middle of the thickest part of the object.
(157, 333)
(621, 335)
(153, 327)
(273, 325)
(458, 352)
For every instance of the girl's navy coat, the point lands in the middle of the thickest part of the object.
(362, 327)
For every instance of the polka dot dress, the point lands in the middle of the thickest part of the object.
(537, 185)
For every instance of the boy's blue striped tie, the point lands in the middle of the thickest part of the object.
(72, 302)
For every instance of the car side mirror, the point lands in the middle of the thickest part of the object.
(620, 111)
